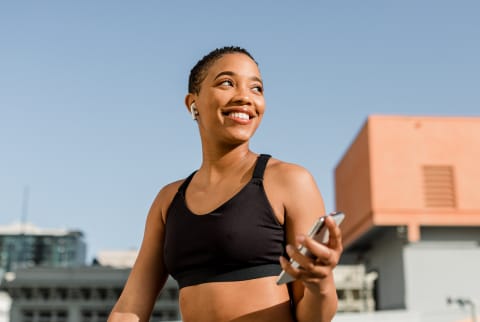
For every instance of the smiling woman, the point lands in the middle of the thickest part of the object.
(229, 101)
(223, 232)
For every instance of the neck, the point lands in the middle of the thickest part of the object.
(219, 163)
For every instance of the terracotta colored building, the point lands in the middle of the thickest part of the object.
(410, 187)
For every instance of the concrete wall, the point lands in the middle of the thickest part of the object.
(385, 258)
(400, 146)
(441, 315)
(469, 234)
(352, 188)
(437, 270)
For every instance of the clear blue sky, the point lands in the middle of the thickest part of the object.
(91, 93)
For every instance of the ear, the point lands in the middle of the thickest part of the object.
(189, 99)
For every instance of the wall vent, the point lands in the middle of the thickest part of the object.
(439, 188)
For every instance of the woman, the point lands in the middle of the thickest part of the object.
(221, 232)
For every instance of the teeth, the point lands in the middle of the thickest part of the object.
(243, 116)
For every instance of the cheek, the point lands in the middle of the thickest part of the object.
(260, 106)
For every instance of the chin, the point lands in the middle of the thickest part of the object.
(238, 140)
(242, 137)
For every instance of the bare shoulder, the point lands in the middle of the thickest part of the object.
(293, 190)
(288, 175)
(164, 198)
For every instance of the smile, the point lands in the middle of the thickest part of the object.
(239, 115)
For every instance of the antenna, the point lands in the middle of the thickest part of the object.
(23, 220)
(22, 257)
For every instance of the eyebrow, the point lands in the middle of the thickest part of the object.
(230, 73)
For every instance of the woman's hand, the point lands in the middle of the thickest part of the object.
(316, 274)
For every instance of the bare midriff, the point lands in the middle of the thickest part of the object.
(256, 300)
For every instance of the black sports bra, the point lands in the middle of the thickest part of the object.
(240, 240)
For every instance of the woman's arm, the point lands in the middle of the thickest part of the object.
(319, 299)
(148, 274)
(314, 290)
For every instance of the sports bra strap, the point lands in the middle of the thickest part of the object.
(185, 183)
(257, 172)
(260, 166)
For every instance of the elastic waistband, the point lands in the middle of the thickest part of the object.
(239, 274)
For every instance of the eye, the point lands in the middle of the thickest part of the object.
(258, 89)
(226, 82)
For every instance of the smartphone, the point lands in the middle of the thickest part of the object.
(319, 232)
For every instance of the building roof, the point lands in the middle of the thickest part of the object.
(18, 228)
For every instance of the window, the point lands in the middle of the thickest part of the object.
(27, 316)
(45, 316)
(61, 293)
(44, 293)
(86, 293)
(87, 316)
(26, 293)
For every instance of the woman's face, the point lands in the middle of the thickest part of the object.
(230, 102)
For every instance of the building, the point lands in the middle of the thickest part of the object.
(24, 245)
(409, 188)
(77, 294)
(116, 258)
(354, 288)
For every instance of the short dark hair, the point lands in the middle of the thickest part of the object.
(199, 71)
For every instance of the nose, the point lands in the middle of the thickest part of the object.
(242, 96)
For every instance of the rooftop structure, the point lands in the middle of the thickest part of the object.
(116, 258)
(409, 188)
(412, 172)
(24, 245)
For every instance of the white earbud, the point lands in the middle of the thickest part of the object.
(193, 111)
